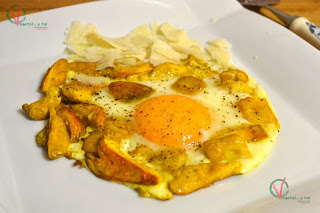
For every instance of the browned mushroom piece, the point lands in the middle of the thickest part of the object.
(89, 114)
(58, 137)
(56, 75)
(74, 125)
(81, 92)
(90, 143)
(189, 85)
(121, 72)
(113, 165)
(89, 68)
(39, 110)
(257, 111)
(235, 81)
(129, 91)
(194, 177)
(231, 144)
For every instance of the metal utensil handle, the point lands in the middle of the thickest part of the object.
(281, 15)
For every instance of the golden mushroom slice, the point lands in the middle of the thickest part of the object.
(90, 143)
(89, 114)
(39, 110)
(58, 137)
(56, 75)
(113, 165)
(86, 68)
(231, 144)
(227, 149)
(113, 129)
(234, 75)
(169, 159)
(129, 91)
(168, 70)
(246, 132)
(42, 137)
(81, 92)
(125, 71)
(235, 81)
(166, 159)
(257, 111)
(118, 128)
(74, 125)
(191, 178)
(89, 68)
(189, 85)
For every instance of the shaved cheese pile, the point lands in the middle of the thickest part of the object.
(152, 43)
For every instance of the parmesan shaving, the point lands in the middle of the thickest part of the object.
(152, 43)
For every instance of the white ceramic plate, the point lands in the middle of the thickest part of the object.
(284, 64)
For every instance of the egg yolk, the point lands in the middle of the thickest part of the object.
(172, 120)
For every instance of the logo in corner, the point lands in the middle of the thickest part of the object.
(16, 14)
(279, 188)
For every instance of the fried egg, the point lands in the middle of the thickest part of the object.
(169, 119)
